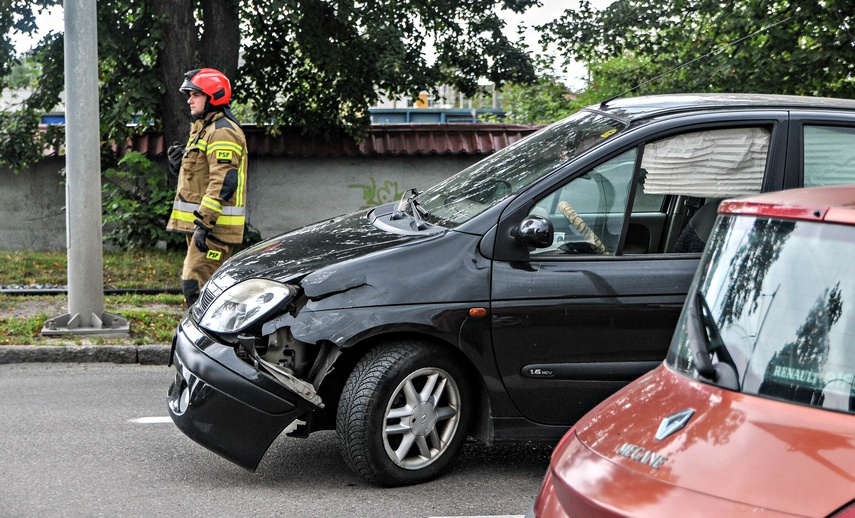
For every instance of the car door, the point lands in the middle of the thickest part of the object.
(595, 309)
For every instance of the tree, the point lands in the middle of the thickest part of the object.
(548, 99)
(183, 49)
(331, 58)
(20, 141)
(800, 47)
(315, 64)
(545, 101)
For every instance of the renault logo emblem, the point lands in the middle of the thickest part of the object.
(673, 423)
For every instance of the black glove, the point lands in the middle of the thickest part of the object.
(200, 235)
(175, 153)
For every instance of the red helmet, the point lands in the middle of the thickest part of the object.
(210, 82)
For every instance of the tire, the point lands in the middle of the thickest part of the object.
(403, 414)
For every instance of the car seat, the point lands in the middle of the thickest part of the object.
(694, 236)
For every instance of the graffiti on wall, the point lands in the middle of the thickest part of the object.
(374, 195)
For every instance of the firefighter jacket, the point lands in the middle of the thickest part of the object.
(212, 181)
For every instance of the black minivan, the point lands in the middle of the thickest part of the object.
(501, 304)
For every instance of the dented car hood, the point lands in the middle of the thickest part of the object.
(291, 256)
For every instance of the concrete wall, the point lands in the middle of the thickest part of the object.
(32, 207)
(283, 193)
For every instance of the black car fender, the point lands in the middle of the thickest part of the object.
(347, 327)
(349, 330)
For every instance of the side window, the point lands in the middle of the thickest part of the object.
(699, 169)
(707, 164)
(691, 171)
(829, 155)
(588, 212)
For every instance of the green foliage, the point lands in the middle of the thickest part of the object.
(137, 269)
(152, 318)
(152, 327)
(320, 65)
(251, 236)
(16, 16)
(21, 330)
(549, 99)
(30, 267)
(143, 269)
(312, 64)
(25, 74)
(244, 112)
(800, 47)
(147, 327)
(543, 102)
(613, 78)
(128, 43)
(22, 144)
(137, 203)
(18, 148)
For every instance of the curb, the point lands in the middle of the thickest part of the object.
(141, 354)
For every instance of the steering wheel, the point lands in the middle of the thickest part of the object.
(587, 234)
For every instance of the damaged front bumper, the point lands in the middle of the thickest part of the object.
(225, 404)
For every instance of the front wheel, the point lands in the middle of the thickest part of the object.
(403, 414)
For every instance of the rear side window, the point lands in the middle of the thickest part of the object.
(829, 154)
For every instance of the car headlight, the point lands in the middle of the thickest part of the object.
(244, 304)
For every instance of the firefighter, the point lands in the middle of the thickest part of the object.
(210, 203)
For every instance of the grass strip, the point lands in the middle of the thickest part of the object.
(139, 269)
(152, 319)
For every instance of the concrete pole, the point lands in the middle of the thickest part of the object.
(83, 179)
(83, 162)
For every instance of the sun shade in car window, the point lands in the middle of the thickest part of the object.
(707, 164)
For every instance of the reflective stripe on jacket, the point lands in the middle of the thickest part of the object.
(212, 181)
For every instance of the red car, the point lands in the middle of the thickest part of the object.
(752, 411)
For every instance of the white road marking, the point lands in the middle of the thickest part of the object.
(150, 420)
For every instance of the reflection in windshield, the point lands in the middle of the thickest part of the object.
(805, 357)
(778, 291)
(749, 265)
(483, 185)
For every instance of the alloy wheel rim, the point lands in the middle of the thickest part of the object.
(421, 418)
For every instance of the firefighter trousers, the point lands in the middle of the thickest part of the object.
(199, 266)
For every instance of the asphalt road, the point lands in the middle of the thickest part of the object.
(94, 439)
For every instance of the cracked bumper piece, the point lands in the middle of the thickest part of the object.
(223, 403)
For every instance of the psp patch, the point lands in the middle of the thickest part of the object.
(224, 157)
(213, 255)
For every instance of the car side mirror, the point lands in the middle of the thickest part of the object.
(534, 231)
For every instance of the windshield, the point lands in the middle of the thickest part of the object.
(780, 295)
(486, 183)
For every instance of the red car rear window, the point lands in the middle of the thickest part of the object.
(781, 294)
